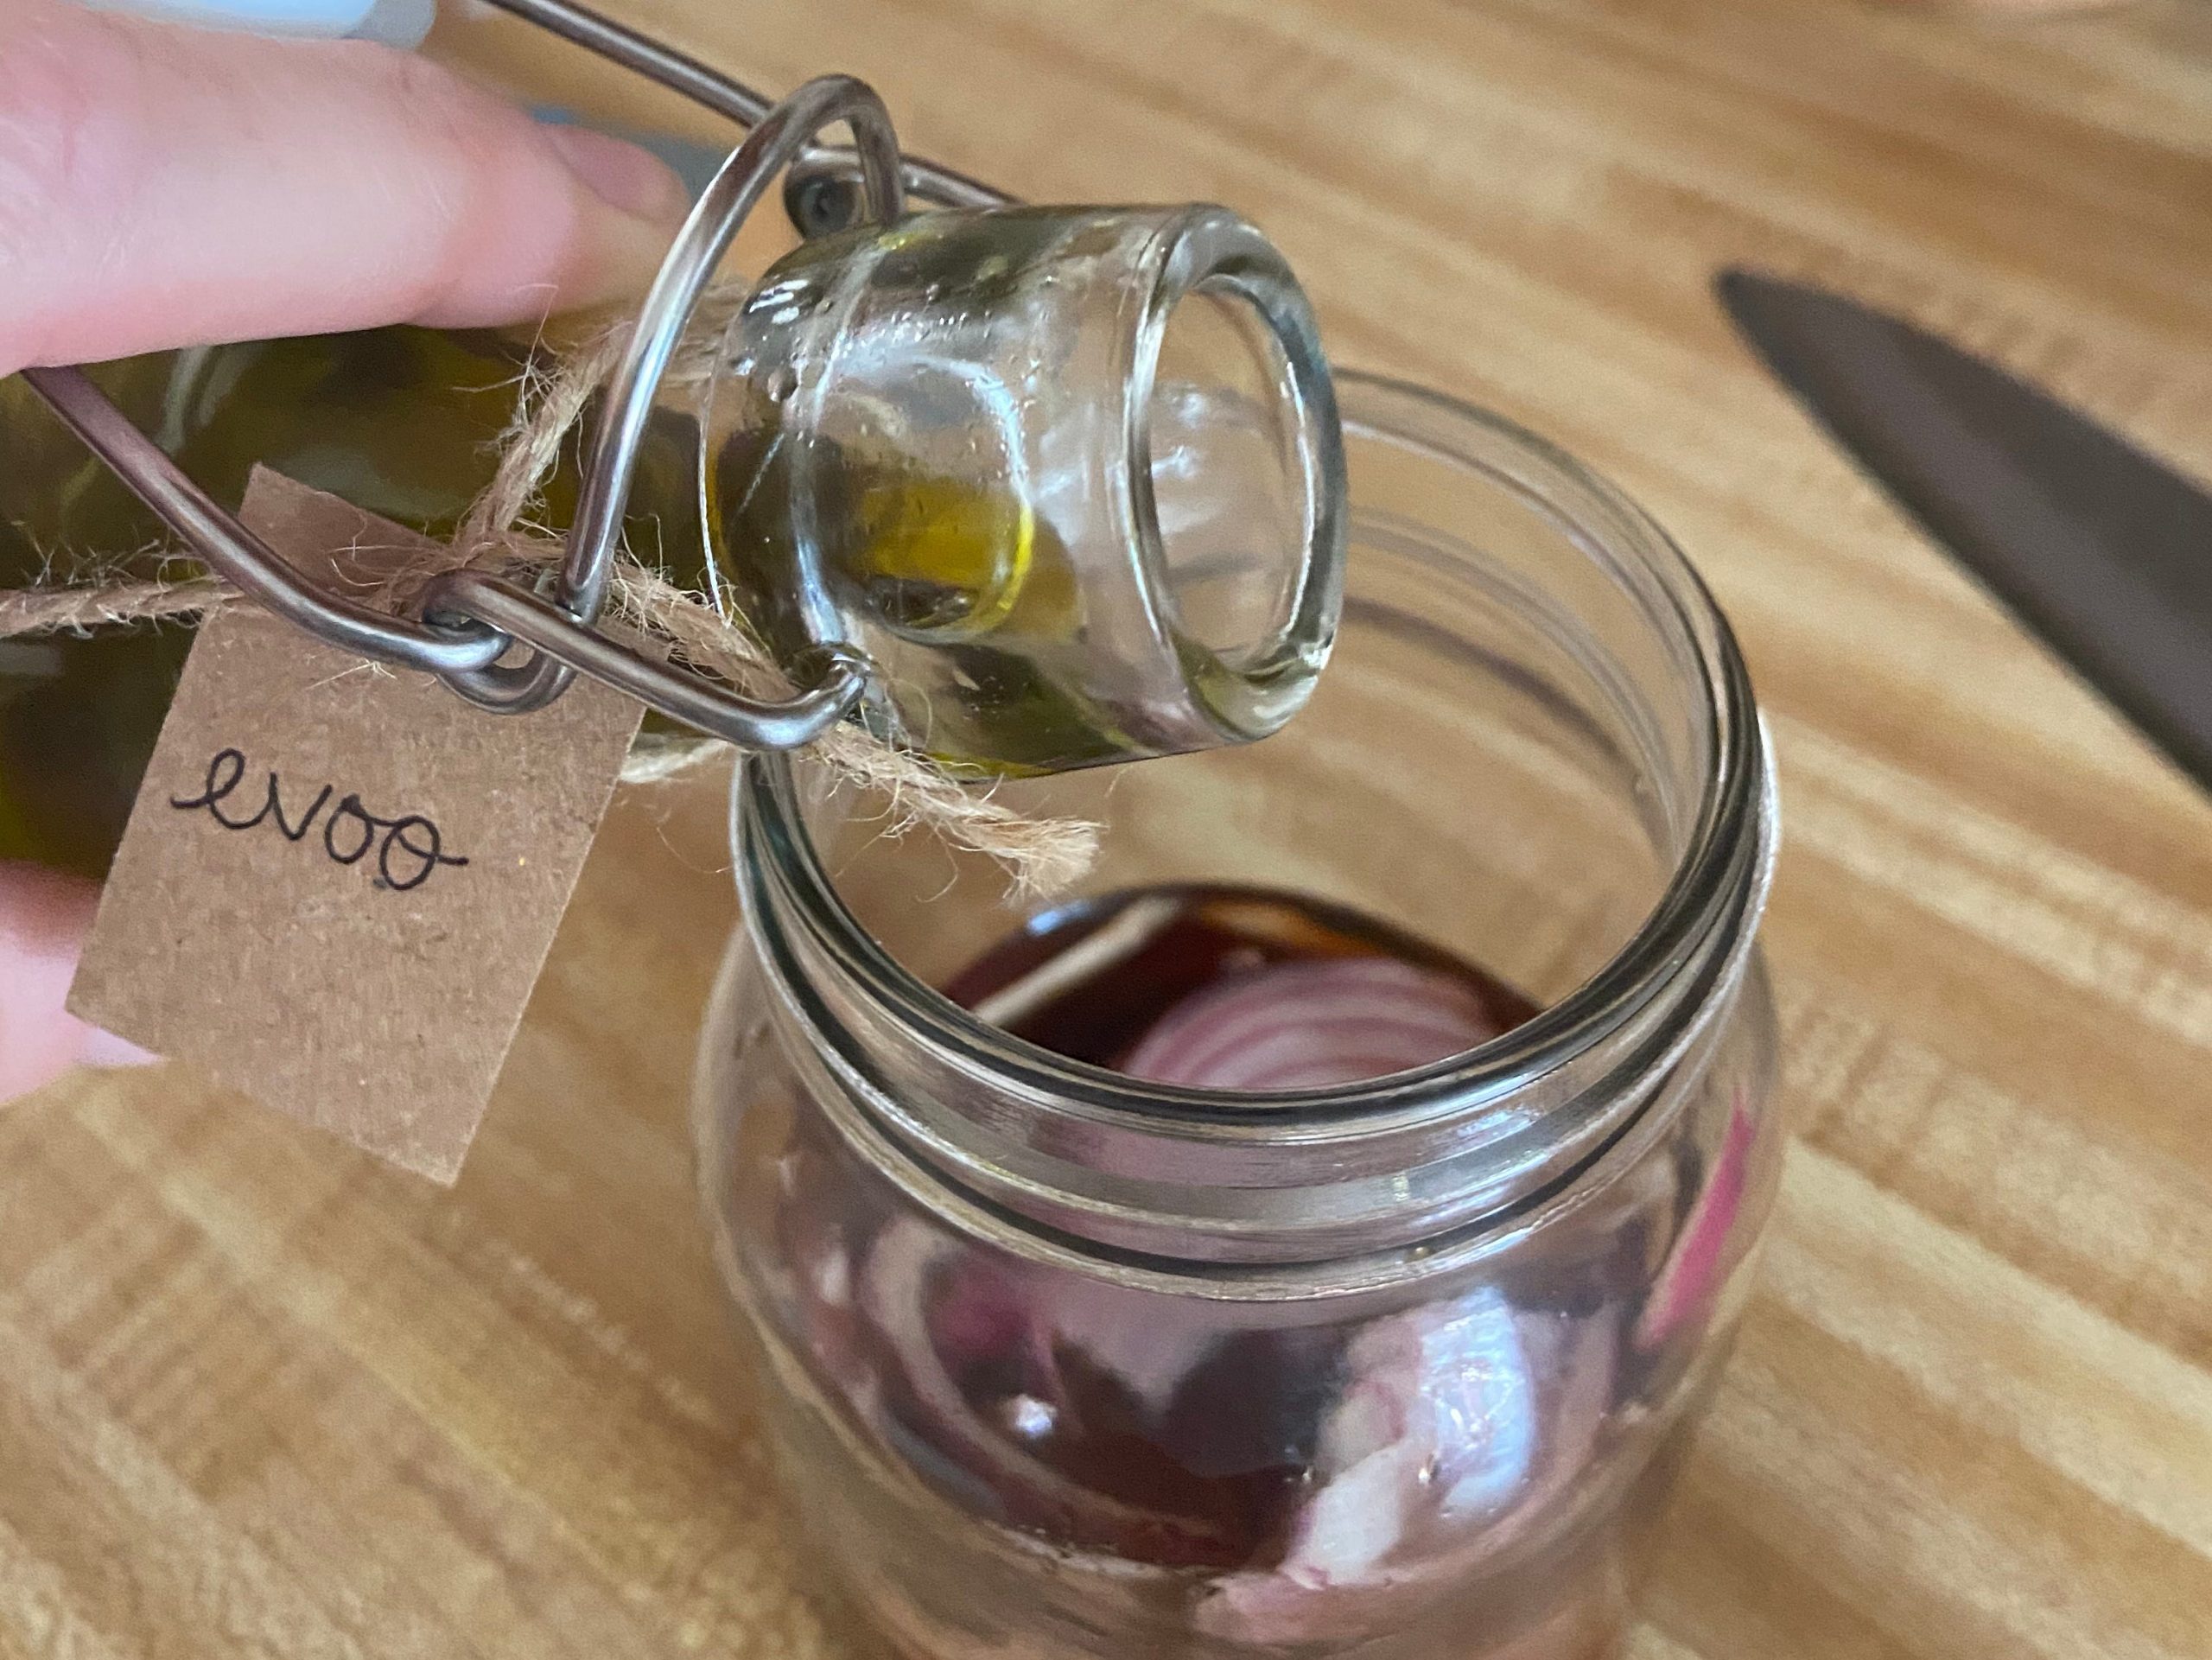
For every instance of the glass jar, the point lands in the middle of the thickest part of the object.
(1060, 1364)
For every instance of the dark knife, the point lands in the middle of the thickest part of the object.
(2101, 550)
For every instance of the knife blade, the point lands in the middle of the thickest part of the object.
(2099, 548)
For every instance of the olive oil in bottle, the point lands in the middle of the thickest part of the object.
(404, 423)
(1061, 535)
(396, 420)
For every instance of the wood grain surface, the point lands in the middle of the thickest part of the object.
(261, 1397)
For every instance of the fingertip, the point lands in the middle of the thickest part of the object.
(586, 220)
(615, 262)
(632, 206)
(626, 177)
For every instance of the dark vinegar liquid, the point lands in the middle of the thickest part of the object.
(1147, 1445)
(1233, 986)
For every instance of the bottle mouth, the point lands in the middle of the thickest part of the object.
(1071, 479)
(1235, 469)
(1308, 1175)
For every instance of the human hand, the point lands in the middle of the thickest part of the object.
(163, 187)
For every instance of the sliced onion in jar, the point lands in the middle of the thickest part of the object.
(1428, 1449)
(1313, 1025)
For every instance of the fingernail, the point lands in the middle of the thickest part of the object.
(627, 178)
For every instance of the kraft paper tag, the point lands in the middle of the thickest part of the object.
(339, 882)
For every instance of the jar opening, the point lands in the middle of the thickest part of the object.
(1509, 618)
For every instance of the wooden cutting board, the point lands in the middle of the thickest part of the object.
(259, 1396)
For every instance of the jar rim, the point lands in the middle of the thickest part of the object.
(1720, 877)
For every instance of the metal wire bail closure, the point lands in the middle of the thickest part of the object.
(559, 631)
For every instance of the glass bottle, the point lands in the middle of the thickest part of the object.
(1069, 477)
(402, 422)
(1063, 1364)
(971, 445)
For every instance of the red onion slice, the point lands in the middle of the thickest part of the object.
(1428, 1450)
(1313, 1025)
